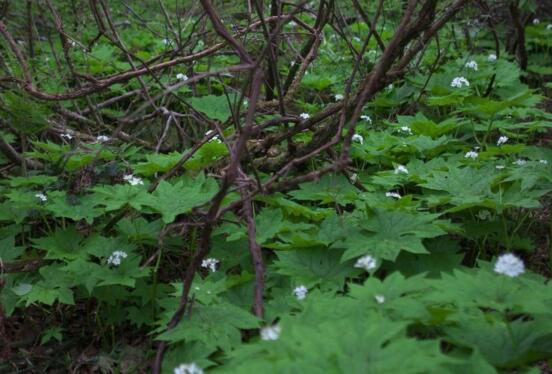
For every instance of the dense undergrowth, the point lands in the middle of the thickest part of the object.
(429, 252)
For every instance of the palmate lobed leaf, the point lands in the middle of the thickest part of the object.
(186, 193)
(384, 233)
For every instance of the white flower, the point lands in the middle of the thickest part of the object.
(366, 118)
(389, 87)
(166, 41)
(354, 177)
(358, 138)
(42, 197)
(102, 138)
(500, 167)
(338, 97)
(73, 43)
(379, 298)
(356, 39)
(405, 129)
(304, 115)
(300, 292)
(116, 257)
(503, 139)
(459, 82)
(471, 154)
(367, 263)
(401, 169)
(471, 65)
(132, 180)
(549, 26)
(292, 23)
(271, 332)
(181, 77)
(210, 263)
(492, 57)
(536, 21)
(191, 368)
(393, 194)
(544, 162)
(510, 265)
(67, 136)
(519, 162)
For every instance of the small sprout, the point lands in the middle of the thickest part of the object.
(132, 180)
(191, 368)
(300, 292)
(502, 140)
(271, 332)
(472, 65)
(42, 197)
(394, 195)
(401, 169)
(459, 82)
(358, 138)
(471, 154)
(116, 257)
(510, 265)
(367, 263)
(210, 263)
(380, 299)
(304, 116)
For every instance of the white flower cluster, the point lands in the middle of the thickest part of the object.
(132, 180)
(181, 77)
(358, 138)
(544, 162)
(367, 263)
(472, 65)
(304, 116)
(502, 140)
(520, 162)
(366, 118)
(103, 138)
(338, 97)
(42, 197)
(492, 57)
(210, 263)
(191, 368)
(116, 257)
(271, 332)
(380, 299)
(459, 82)
(471, 154)
(401, 169)
(536, 21)
(394, 195)
(405, 129)
(549, 26)
(300, 292)
(510, 265)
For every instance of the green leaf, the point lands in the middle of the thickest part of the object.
(215, 107)
(173, 199)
